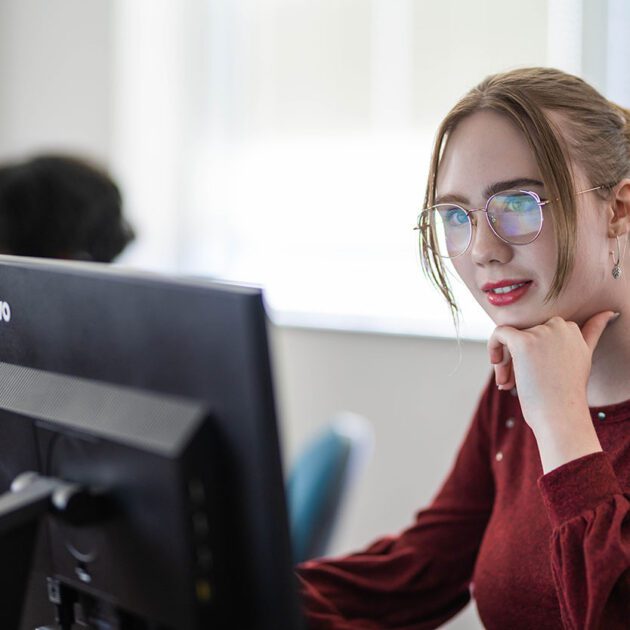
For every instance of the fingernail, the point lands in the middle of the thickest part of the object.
(614, 316)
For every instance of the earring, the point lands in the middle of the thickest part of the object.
(616, 270)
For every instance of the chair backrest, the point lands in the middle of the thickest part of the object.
(320, 479)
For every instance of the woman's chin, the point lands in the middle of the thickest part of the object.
(521, 321)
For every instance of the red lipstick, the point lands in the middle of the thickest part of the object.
(509, 291)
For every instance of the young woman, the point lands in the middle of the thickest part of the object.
(529, 198)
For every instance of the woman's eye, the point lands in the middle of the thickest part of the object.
(456, 217)
(519, 203)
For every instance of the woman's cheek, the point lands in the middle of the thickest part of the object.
(467, 277)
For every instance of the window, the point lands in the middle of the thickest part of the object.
(286, 142)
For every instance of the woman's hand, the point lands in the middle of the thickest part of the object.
(550, 364)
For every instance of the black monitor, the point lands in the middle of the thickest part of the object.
(139, 455)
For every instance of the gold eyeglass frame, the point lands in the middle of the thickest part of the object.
(541, 203)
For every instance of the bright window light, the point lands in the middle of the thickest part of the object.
(286, 143)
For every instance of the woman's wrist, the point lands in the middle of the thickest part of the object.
(562, 442)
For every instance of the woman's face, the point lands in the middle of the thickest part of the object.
(485, 149)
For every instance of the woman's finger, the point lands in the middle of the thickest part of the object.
(496, 353)
(503, 372)
(496, 344)
(595, 326)
(511, 380)
(500, 355)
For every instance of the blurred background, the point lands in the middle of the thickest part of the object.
(285, 143)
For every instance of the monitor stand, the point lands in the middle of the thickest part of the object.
(21, 509)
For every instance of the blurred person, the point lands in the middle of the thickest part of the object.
(54, 206)
(529, 198)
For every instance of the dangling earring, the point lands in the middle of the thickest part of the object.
(616, 270)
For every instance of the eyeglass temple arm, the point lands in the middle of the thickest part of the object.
(579, 192)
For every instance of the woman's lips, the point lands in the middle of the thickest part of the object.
(510, 291)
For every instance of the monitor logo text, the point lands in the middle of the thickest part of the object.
(5, 312)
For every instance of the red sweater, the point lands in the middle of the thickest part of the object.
(536, 551)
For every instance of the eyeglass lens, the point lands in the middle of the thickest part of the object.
(514, 216)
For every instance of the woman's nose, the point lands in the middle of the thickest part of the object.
(486, 246)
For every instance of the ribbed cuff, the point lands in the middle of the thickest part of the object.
(579, 485)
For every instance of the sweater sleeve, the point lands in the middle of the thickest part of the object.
(419, 578)
(590, 542)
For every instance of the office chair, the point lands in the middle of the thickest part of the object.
(320, 477)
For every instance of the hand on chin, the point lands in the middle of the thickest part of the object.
(520, 321)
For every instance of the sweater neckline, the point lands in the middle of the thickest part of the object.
(615, 412)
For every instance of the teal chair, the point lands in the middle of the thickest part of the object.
(320, 479)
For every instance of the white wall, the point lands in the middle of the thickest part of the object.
(416, 396)
(55, 77)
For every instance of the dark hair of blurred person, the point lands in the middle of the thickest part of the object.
(54, 206)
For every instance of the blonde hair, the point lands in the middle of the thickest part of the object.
(595, 135)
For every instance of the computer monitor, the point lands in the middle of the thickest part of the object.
(138, 438)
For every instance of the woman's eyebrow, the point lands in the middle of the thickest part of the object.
(517, 182)
(511, 183)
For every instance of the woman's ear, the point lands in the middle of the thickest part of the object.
(619, 216)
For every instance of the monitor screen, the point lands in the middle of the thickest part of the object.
(139, 454)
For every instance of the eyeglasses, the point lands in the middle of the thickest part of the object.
(514, 216)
